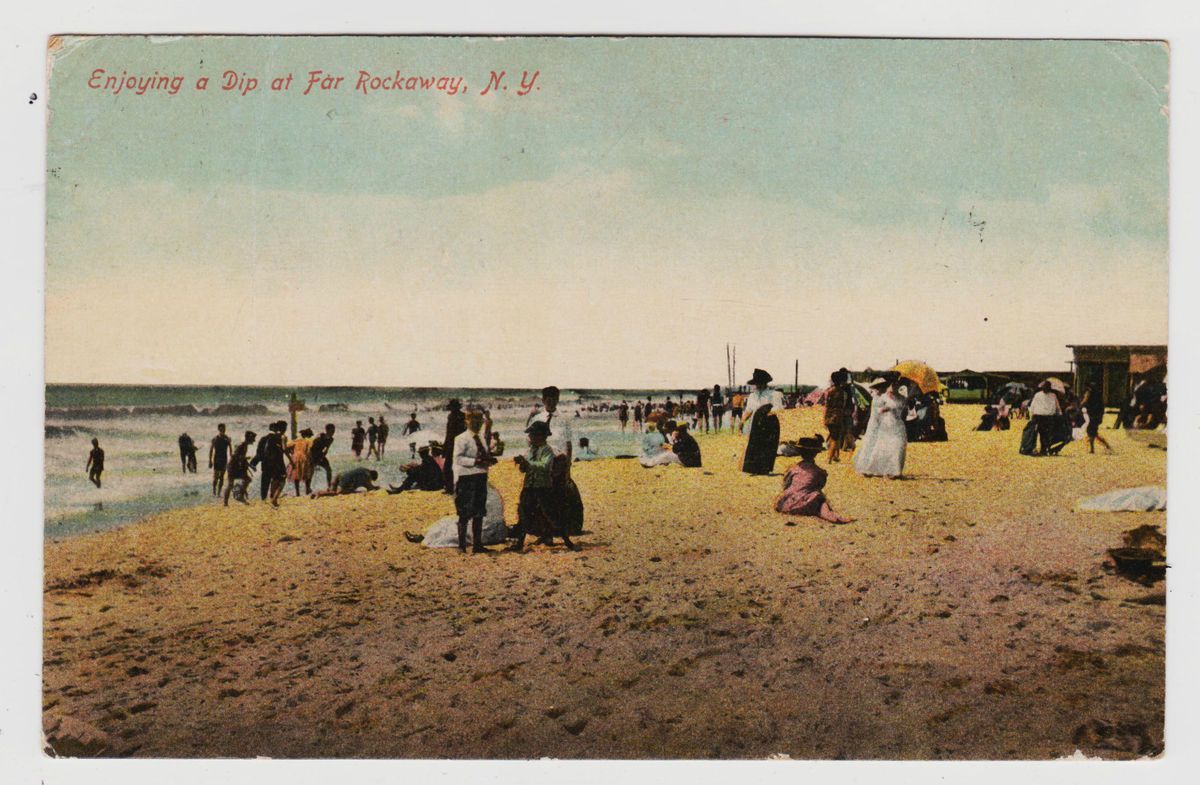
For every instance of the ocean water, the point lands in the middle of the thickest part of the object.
(139, 426)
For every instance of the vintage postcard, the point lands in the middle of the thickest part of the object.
(588, 397)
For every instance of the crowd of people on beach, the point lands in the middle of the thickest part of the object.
(872, 422)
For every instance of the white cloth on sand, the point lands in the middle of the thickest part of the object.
(882, 449)
(1147, 498)
(653, 453)
(664, 458)
(444, 533)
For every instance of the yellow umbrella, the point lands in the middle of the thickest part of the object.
(917, 371)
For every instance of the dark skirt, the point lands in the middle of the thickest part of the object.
(762, 444)
(536, 513)
(570, 505)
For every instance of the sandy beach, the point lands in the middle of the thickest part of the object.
(967, 613)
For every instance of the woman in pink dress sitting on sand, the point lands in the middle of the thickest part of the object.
(802, 494)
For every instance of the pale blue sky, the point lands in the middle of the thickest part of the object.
(841, 165)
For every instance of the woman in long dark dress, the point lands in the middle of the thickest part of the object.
(762, 411)
(456, 423)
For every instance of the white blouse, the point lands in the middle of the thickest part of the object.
(760, 398)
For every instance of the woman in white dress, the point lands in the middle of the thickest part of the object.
(881, 452)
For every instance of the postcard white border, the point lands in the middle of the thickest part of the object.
(23, 38)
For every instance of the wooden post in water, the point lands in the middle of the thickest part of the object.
(796, 383)
(294, 405)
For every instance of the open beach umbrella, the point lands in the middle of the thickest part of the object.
(921, 374)
(1013, 392)
(1057, 384)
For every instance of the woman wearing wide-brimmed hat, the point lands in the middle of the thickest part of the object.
(803, 484)
(881, 452)
(762, 411)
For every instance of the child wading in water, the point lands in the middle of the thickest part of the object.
(537, 513)
(803, 483)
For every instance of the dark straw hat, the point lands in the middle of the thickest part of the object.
(813, 443)
(760, 377)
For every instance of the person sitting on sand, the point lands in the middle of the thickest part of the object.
(987, 420)
(95, 463)
(803, 484)
(422, 475)
(350, 481)
(685, 447)
(238, 481)
(439, 457)
(537, 511)
(1003, 415)
(585, 451)
(656, 450)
